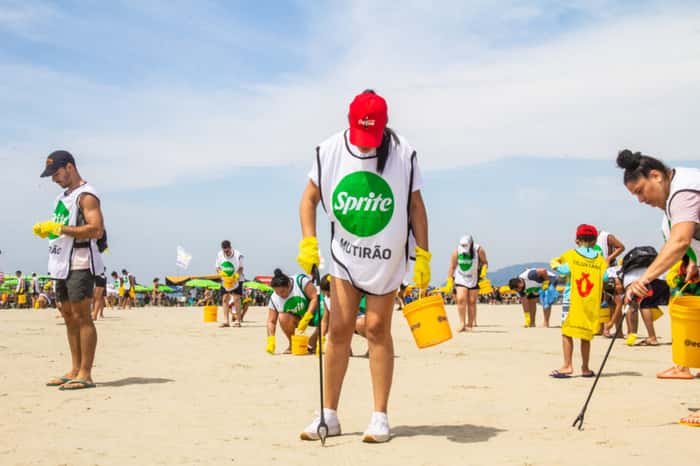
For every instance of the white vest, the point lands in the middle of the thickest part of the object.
(685, 180)
(368, 212)
(296, 302)
(602, 242)
(230, 265)
(531, 286)
(61, 247)
(467, 270)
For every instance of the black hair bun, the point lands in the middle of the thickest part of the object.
(279, 273)
(629, 160)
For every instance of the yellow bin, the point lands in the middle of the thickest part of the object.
(428, 321)
(685, 330)
(210, 313)
(300, 345)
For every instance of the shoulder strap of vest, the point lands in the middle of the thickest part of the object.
(408, 206)
(299, 279)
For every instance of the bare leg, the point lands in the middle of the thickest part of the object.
(567, 346)
(227, 310)
(83, 347)
(585, 357)
(462, 307)
(648, 320)
(73, 333)
(288, 323)
(345, 300)
(237, 312)
(381, 348)
(471, 308)
(547, 312)
(98, 303)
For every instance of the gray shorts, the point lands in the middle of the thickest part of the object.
(77, 287)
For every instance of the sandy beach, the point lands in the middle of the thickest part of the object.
(174, 390)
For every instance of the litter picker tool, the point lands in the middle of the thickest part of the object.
(322, 429)
(618, 332)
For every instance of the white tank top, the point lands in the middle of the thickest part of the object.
(602, 243)
(61, 248)
(531, 286)
(368, 211)
(467, 270)
(296, 302)
(684, 180)
(230, 264)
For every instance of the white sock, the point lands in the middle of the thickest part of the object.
(329, 413)
(379, 416)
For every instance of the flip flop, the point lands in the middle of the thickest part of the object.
(80, 385)
(588, 375)
(695, 423)
(675, 377)
(55, 381)
(559, 375)
(645, 342)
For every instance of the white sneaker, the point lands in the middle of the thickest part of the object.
(378, 430)
(331, 418)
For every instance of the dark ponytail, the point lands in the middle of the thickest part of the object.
(638, 165)
(280, 279)
(383, 149)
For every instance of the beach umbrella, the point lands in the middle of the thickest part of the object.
(258, 286)
(165, 289)
(143, 289)
(201, 283)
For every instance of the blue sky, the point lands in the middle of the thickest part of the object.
(197, 120)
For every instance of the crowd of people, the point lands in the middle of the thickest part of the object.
(368, 181)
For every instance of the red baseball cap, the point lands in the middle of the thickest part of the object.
(368, 117)
(586, 230)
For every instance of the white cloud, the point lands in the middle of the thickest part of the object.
(622, 81)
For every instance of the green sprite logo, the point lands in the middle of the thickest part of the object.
(363, 203)
(296, 305)
(60, 215)
(465, 262)
(227, 268)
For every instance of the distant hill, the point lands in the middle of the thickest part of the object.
(501, 276)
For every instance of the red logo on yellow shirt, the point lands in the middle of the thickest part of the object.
(584, 285)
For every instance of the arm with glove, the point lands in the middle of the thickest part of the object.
(308, 246)
(92, 229)
(484, 264)
(310, 292)
(419, 226)
(271, 327)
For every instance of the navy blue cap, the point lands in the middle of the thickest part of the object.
(56, 160)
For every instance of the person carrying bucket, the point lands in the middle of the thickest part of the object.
(229, 266)
(634, 264)
(585, 266)
(676, 191)
(368, 181)
(468, 265)
(529, 285)
(292, 305)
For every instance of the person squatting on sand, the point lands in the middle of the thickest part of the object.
(585, 267)
(74, 259)
(529, 285)
(468, 265)
(368, 181)
(676, 191)
(229, 266)
(292, 305)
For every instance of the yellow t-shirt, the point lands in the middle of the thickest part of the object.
(586, 292)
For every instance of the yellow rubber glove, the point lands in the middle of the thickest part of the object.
(235, 277)
(308, 254)
(270, 348)
(449, 286)
(484, 269)
(555, 263)
(421, 270)
(37, 231)
(49, 228)
(304, 322)
(321, 345)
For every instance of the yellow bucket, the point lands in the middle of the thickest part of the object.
(427, 320)
(685, 330)
(300, 345)
(227, 282)
(21, 299)
(211, 313)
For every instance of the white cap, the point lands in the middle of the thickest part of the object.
(465, 243)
